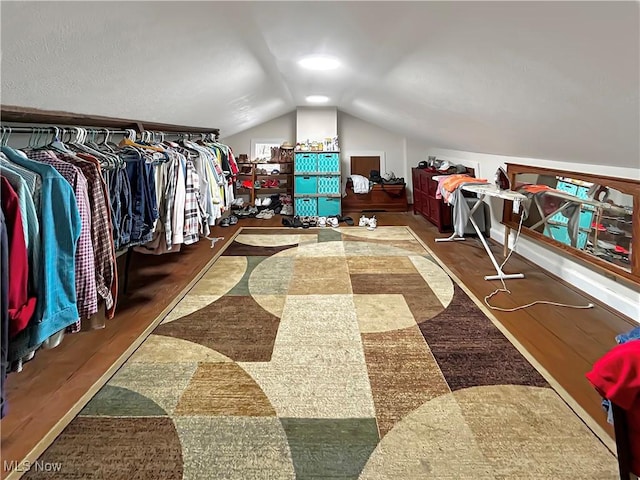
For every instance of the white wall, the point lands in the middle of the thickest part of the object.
(280, 127)
(358, 137)
(619, 296)
(416, 152)
(316, 123)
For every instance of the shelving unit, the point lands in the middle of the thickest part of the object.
(317, 183)
(284, 178)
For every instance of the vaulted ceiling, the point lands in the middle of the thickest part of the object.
(553, 80)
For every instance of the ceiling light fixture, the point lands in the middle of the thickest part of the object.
(317, 99)
(319, 62)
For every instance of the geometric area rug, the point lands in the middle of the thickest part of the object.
(327, 353)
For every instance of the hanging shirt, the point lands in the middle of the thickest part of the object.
(85, 262)
(177, 219)
(21, 305)
(60, 229)
(4, 313)
(33, 179)
(101, 236)
(616, 376)
(193, 212)
(29, 222)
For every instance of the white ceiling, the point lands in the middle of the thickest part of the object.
(554, 80)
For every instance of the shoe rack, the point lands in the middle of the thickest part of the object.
(261, 175)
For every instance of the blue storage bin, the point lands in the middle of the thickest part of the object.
(570, 188)
(329, 184)
(306, 206)
(305, 184)
(328, 206)
(582, 192)
(559, 218)
(329, 162)
(560, 233)
(305, 162)
(586, 219)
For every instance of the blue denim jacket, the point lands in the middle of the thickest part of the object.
(59, 230)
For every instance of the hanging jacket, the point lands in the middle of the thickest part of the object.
(60, 230)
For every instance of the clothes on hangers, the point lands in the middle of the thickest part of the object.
(86, 293)
(60, 230)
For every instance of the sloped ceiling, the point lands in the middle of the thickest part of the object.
(550, 80)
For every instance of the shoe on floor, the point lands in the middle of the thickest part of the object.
(373, 223)
(364, 221)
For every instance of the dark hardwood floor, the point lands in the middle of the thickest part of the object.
(53, 387)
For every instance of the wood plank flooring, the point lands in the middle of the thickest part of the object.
(564, 342)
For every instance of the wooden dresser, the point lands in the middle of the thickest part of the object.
(425, 202)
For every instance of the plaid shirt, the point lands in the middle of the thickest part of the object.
(193, 211)
(87, 298)
(101, 233)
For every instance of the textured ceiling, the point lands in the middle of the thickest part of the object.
(548, 80)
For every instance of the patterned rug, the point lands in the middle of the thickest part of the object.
(334, 353)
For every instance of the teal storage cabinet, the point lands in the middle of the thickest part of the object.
(329, 162)
(317, 184)
(306, 206)
(306, 184)
(328, 206)
(304, 162)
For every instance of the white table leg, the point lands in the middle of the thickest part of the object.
(500, 273)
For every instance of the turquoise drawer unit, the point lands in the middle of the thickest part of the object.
(329, 162)
(560, 233)
(305, 184)
(329, 184)
(305, 162)
(306, 206)
(328, 206)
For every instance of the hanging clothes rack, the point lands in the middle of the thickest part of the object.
(63, 123)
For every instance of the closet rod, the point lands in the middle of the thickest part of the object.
(9, 130)
(15, 114)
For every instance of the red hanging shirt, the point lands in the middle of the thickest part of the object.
(21, 306)
(616, 376)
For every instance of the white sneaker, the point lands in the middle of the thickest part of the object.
(373, 223)
(258, 202)
(332, 222)
(364, 221)
(266, 201)
(322, 221)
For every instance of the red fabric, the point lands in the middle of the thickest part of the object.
(21, 306)
(616, 376)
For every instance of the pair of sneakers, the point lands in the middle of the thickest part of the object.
(370, 223)
(266, 214)
(328, 222)
(263, 201)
